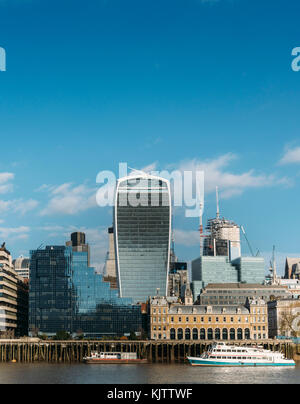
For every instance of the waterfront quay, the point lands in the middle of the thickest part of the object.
(154, 351)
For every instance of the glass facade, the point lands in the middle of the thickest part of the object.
(251, 269)
(142, 236)
(67, 295)
(221, 270)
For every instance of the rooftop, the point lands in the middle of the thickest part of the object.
(242, 286)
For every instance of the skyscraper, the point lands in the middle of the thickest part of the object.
(142, 222)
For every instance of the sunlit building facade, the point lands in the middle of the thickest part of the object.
(13, 299)
(170, 320)
(66, 294)
(142, 222)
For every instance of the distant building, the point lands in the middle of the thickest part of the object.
(292, 268)
(220, 269)
(110, 265)
(239, 293)
(13, 299)
(21, 266)
(292, 285)
(223, 238)
(221, 260)
(178, 279)
(170, 320)
(283, 317)
(66, 294)
(78, 244)
(142, 225)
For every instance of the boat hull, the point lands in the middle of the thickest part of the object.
(211, 363)
(114, 361)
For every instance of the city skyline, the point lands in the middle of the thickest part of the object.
(200, 85)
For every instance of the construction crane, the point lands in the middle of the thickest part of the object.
(250, 248)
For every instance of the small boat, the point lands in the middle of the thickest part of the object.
(221, 354)
(113, 357)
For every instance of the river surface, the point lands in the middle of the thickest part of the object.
(42, 373)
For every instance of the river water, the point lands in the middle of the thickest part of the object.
(42, 373)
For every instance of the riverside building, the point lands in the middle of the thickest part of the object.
(283, 317)
(171, 320)
(13, 299)
(66, 294)
(142, 225)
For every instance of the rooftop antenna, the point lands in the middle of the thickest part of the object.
(218, 208)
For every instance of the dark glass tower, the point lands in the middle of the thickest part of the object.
(67, 294)
(142, 221)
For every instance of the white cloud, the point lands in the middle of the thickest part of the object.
(5, 185)
(5, 177)
(18, 205)
(217, 173)
(23, 207)
(291, 156)
(67, 199)
(188, 238)
(14, 233)
(15, 205)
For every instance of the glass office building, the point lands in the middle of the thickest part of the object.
(142, 221)
(68, 295)
(220, 269)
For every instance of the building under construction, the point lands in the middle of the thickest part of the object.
(221, 258)
(223, 238)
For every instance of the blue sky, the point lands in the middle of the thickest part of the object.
(166, 83)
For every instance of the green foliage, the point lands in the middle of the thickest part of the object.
(62, 336)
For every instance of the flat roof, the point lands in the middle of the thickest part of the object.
(242, 286)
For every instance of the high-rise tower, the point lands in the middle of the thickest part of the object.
(142, 222)
(223, 237)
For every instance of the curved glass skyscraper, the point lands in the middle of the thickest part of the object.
(142, 220)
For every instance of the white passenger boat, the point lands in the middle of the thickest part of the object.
(221, 354)
(113, 357)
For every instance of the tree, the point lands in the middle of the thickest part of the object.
(289, 323)
(62, 336)
(132, 336)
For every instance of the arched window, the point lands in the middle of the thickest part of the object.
(225, 334)
(202, 333)
(239, 334)
(172, 333)
(217, 333)
(195, 333)
(247, 333)
(210, 334)
(187, 334)
(180, 333)
(232, 333)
